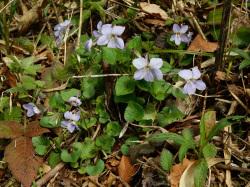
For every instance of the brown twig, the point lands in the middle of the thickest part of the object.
(223, 34)
(49, 175)
(233, 168)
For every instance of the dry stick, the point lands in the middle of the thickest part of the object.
(80, 24)
(227, 140)
(233, 168)
(240, 102)
(223, 34)
(6, 6)
(49, 175)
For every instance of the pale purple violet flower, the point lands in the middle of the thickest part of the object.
(69, 125)
(148, 70)
(72, 115)
(109, 35)
(31, 109)
(97, 33)
(74, 101)
(193, 81)
(88, 44)
(180, 34)
(59, 31)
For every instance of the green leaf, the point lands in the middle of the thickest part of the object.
(41, 144)
(206, 124)
(105, 142)
(47, 40)
(113, 128)
(150, 113)
(135, 43)
(109, 55)
(127, 144)
(160, 137)
(88, 87)
(88, 123)
(95, 169)
(200, 173)
(25, 43)
(15, 114)
(89, 149)
(28, 82)
(222, 124)
(54, 158)
(183, 151)
(242, 53)
(169, 115)
(4, 103)
(124, 85)
(159, 89)
(66, 94)
(73, 156)
(166, 160)
(241, 37)
(86, 15)
(214, 17)
(133, 111)
(209, 151)
(50, 121)
(244, 64)
(56, 102)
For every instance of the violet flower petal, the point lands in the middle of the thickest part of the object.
(176, 28)
(157, 74)
(103, 40)
(118, 30)
(140, 62)
(156, 63)
(183, 29)
(196, 74)
(189, 88)
(149, 76)
(186, 74)
(200, 85)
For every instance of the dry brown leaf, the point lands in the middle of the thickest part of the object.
(125, 169)
(22, 161)
(199, 44)
(34, 129)
(237, 90)
(177, 171)
(154, 9)
(157, 22)
(10, 129)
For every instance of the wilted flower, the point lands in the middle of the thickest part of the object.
(59, 31)
(72, 115)
(148, 70)
(193, 81)
(31, 109)
(108, 35)
(180, 34)
(70, 125)
(88, 44)
(74, 101)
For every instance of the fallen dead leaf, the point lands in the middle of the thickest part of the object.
(199, 44)
(157, 22)
(237, 90)
(154, 9)
(125, 169)
(22, 161)
(177, 171)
